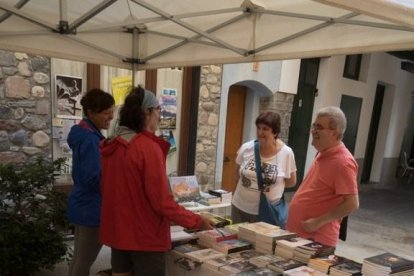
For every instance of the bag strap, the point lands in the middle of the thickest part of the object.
(259, 168)
(258, 165)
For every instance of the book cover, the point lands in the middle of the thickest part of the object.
(234, 228)
(246, 254)
(348, 267)
(203, 255)
(259, 271)
(185, 248)
(216, 263)
(216, 235)
(216, 220)
(231, 246)
(391, 262)
(185, 188)
(237, 267)
(284, 265)
(208, 199)
(304, 271)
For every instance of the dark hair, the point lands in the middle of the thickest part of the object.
(271, 119)
(132, 115)
(96, 100)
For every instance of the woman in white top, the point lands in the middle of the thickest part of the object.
(278, 169)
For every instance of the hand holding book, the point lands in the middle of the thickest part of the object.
(207, 225)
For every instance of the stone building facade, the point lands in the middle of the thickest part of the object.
(25, 107)
(208, 119)
(281, 103)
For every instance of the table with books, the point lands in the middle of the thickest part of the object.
(263, 249)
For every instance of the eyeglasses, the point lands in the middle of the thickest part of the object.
(155, 108)
(318, 127)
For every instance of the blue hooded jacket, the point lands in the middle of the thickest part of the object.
(85, 200)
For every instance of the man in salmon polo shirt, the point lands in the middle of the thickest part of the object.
(329, 191)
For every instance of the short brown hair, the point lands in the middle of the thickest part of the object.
(271, 119)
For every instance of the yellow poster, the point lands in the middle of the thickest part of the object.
(120, 88)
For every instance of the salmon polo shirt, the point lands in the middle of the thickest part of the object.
(332, 175)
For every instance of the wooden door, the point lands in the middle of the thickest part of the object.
(234, 134)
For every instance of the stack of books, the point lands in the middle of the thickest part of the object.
(209, 238)
(247, 254)
(346, 268)
(216, 263)
(387, 264)
(323, 264)
(225, 196)
(203, 255)
(248, 231)
(234, 228)
(264, 260)
(259, 271)
(180, 250)
(304, 271)
(232, 246)
(283, 265)
(304, 252)
(179, 236)
(237, 267)
(216, 220)
(208, 199)
(285, 248)
(266, 240)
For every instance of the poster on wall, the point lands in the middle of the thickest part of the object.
(168, 104)
(120, 88)
(68, 95)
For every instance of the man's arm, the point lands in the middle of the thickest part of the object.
(350, 203)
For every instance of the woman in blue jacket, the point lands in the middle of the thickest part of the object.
(85, 199)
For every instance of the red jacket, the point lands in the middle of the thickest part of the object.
(137, 204)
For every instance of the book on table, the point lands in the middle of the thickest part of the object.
(216, 220)
(180, 250)
(216, 263)
(264, 260)
(203, 255)
(304, 271)
(324, 263)
(237, 267)
(259, 271)
(386, 264)
(283, 265)
(208, 199)
(346, 268)
(210, 237)
(231, 246)
(225, 196)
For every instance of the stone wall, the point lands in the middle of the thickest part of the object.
(25, 110)
(208, 119)
(281, 103)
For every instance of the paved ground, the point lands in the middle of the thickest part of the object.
(384, 222)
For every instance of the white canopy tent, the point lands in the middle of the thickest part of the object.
(164, 33)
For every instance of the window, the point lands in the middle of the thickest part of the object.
(352, 66)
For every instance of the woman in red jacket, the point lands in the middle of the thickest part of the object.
(137, 205)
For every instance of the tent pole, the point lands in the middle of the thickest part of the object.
(135, 37)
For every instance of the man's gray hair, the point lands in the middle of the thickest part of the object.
(337, 119)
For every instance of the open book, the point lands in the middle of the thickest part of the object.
(185, 188)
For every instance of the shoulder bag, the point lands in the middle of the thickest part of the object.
(275, 214)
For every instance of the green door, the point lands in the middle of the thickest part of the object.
(351, 106)
(302, 113)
